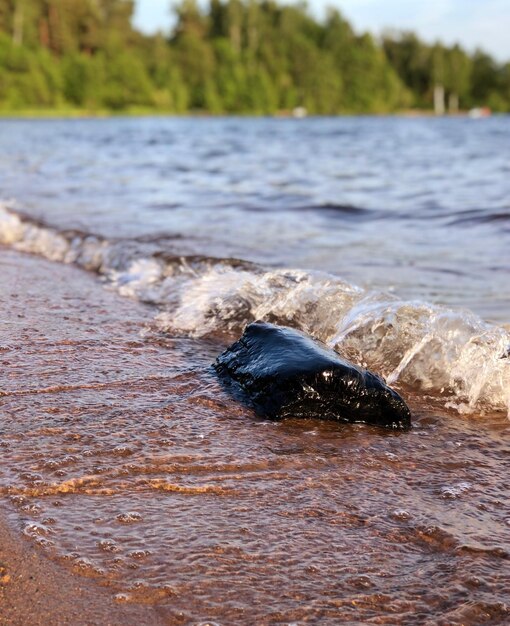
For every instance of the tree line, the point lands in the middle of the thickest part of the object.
(235, 56)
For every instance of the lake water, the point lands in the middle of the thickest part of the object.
(386, 238)
(419, 206)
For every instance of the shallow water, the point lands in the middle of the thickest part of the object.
(125, 460)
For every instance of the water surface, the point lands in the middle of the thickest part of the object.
(420, 206)
(124, 459)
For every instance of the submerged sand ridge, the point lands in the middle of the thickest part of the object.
(126, 464)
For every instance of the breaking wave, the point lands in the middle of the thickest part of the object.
(450, 354)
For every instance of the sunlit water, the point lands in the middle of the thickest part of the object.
(122, 456)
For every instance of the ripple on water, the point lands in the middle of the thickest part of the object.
(177, 496)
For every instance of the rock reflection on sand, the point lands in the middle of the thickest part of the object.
(126, 461)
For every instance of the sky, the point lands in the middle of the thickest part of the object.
(472, 23)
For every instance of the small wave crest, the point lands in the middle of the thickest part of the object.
(451, 354)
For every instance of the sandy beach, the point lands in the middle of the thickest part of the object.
(33, 588)
(35, 591)
(134, 490)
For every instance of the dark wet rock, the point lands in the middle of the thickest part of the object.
(284, 373)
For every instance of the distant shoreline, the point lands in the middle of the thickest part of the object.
(106, 113)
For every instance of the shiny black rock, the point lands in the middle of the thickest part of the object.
(284, 373)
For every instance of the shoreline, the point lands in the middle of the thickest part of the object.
(71, 114)
(134, 490)
(34, 587)
(34, 590)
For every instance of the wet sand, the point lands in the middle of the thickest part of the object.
(133, 487)
(33, 588)
(35, 591)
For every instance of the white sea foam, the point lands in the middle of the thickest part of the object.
(29, 236)
(452, 354)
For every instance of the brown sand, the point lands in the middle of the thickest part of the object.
(137, 491)
(33, 589)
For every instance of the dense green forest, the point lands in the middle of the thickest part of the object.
(235, 56)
